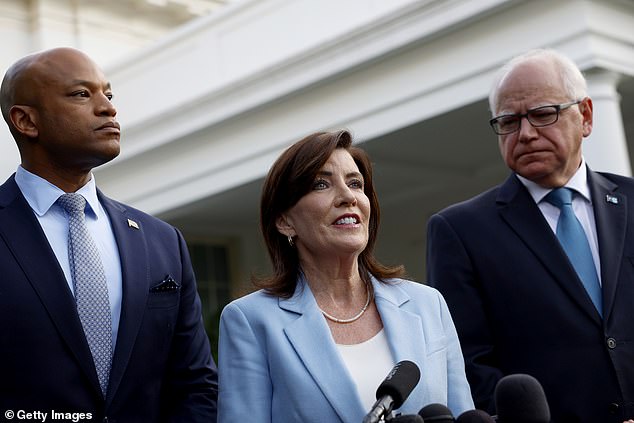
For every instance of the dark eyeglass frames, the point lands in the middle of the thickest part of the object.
(538, 117)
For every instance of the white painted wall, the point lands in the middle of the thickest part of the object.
(108, 31)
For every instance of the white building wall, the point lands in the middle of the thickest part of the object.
(108, 31)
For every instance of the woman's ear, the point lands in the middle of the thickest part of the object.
(284, 225)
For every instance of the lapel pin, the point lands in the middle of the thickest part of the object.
(133, 224)
(611, 199)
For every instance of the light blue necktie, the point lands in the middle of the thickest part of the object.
(91, 289)
(574, 241)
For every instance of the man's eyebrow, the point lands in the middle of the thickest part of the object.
(537, 106)
(106, 86)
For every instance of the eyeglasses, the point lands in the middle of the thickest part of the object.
(538, 117)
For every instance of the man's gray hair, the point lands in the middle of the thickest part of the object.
(572, 79)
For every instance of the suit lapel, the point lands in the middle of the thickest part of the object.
(518, 209)
(25, 238)
(399, 324)
(610, 212)
(307, 334)
(134, 268)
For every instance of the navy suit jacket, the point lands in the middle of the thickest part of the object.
(519, 306)
(279, 363)
(162, 369)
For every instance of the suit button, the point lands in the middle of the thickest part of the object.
(613, 408)
(611, 342)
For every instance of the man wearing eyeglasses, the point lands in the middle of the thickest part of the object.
(538, 272)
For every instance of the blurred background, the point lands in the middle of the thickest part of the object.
(210, 92)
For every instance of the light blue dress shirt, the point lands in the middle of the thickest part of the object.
(42, 196)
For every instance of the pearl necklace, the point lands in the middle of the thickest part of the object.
(353, 318)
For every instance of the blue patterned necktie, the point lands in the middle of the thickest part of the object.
(575, 243)
(91, 290)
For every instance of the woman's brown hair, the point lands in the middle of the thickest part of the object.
(289, 179)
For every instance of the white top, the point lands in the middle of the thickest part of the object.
(368, 364)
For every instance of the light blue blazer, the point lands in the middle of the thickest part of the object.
(278, 361)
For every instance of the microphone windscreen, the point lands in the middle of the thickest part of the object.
(520, 398)
(400, 382)
(436, 413)
(407, 418)
(475, 416)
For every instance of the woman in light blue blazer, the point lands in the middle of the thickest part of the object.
(326, 328)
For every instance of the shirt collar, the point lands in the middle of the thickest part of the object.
(41, 194)
(578, 183)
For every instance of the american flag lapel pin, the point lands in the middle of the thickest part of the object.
(133, 224)
(611, 199)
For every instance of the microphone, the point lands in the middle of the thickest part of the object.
(406, 418)
(394, 390)
(475, 416)
(519, 398)
(436, 413)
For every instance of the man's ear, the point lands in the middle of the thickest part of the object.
(24, 120)
(585, 107)
(284, 226)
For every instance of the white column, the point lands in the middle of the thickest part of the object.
(606, 148)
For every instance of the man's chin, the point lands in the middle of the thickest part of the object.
(106, 156)
(544, 178)
(533, 171)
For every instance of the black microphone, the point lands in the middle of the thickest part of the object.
(406, 418)
(475, 416)
(436, 413)
(520, 398)
(394, 390)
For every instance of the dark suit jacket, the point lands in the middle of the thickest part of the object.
(519, 306)
(162, 369)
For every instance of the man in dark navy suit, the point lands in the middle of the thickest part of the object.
(146, 358)
(518, 296)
